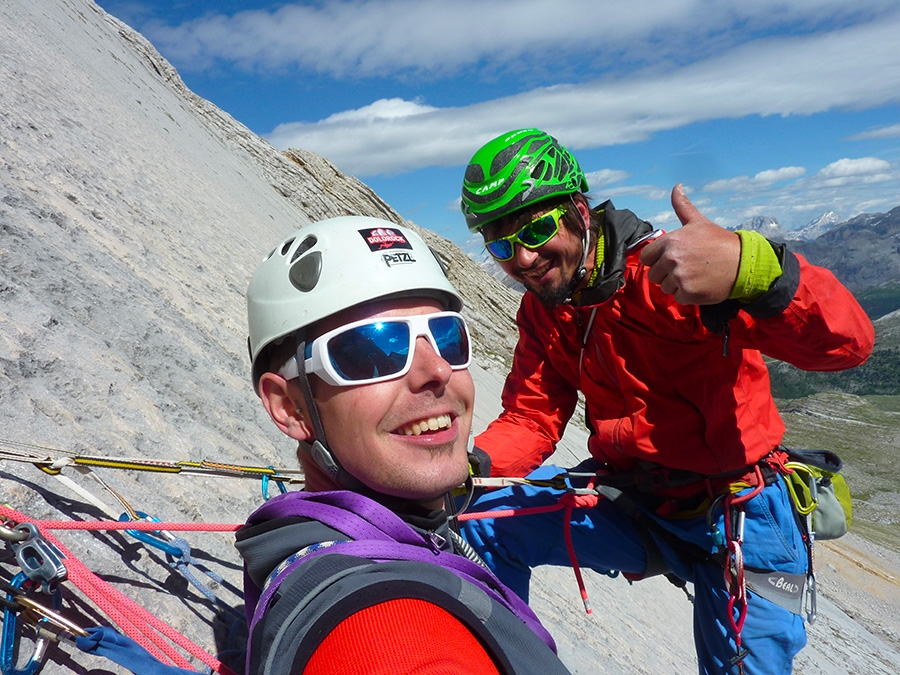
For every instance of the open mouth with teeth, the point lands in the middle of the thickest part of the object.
(538, 272)
(425, 425)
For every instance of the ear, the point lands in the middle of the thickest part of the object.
(285, 405)
(584, 209)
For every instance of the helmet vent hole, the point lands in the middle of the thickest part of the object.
(304, 246)
(474, 173)
(305, 273)
(286, 246)
(541, 171)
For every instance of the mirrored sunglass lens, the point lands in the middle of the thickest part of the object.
(370, 351)
(539, 231)
(451, 337)
(500, 249)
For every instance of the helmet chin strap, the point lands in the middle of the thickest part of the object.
(585, 250)
(318, 450)
(585, 243)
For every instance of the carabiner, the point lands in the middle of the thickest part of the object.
(11, 534)
(9, 643)
(714, 531)
(265, 485)
(149, 538)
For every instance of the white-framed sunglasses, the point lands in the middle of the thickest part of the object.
(375, 350)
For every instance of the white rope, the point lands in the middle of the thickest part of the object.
(86, 495)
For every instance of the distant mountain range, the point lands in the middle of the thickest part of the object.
(771, 229)
(863, 252)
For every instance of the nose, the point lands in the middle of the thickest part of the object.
(429, 369)
(523, 258)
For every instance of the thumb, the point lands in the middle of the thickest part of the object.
(684, 207)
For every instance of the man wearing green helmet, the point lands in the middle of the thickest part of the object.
(664, 335)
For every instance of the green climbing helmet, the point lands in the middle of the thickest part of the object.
(516, 169)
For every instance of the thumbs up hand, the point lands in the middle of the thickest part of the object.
(697, 263)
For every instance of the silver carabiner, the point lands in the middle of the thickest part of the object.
(12, 534)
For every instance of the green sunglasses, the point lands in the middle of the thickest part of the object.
(532, 235)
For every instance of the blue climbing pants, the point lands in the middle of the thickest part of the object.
(606, 539)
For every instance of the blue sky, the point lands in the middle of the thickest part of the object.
(774, 107)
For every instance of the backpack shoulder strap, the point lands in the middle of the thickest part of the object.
(348, 512)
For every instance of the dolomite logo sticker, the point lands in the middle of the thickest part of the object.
(388, 240)
(385, 238)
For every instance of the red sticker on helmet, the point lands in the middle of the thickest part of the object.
(384, 238)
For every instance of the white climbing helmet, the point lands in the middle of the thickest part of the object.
(329, 266)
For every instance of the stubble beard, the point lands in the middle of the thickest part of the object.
(553, 295)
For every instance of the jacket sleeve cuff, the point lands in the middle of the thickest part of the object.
(775, 300)
(760, 267)
(771, 303)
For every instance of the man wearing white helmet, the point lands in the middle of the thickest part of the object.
(360, 355)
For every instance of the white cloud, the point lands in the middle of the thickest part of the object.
(865, 166)
(383, 37)
(665, 219)
(667, 64)
(846, 186)
(646, 191)
(383, 109)
(775, 175)
(604, 177)
(857, 67)
(892, 131)
(848, 173)
(760, 180)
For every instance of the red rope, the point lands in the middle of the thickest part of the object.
(567, 502)
(135, 621)
(506, 513)
(143, 525)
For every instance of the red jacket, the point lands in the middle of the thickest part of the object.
(658, 384)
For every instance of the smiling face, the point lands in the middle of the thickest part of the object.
(405, 437)
(549, 271)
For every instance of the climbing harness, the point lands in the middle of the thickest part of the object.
(734, 490)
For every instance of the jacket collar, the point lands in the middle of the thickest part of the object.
(622, 231)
